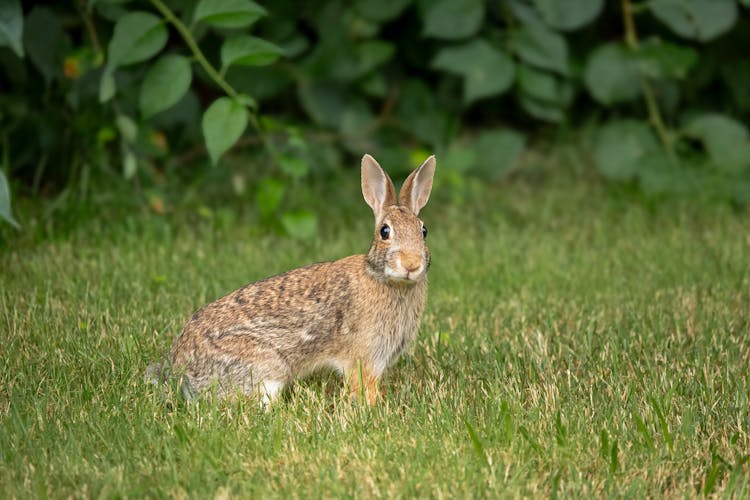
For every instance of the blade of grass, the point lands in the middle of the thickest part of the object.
(478, 446)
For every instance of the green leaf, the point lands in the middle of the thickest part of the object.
(345, 61)
(570, 14)
(696, 19)
(621, 146)
(228, 13)
(737, 78)
(137, 36)
(45, 42)
(293, 166)
(129, 164)
(543, 96)
(452, 19)
(107, 86)
(165, 83)
(421, 116)
(339, 21)
(365, 57)
(459, 158)
(302, 224)
(335, 107)
(268, 195)
(659, 174)
(612, 74)
(295, 46)
(262, 82)
(726, 140)
(127, 127)
(497, 151)
(223, 123)
(374, 85)
(543, 86)
(357, 119)
(11, 25)
(542, 110)
(540, 46)
(381, 11)
(246, 100)
(486, 70)
(659, 59)
(327, 104)
(248, 50)
(740, 190)
(5, 212)
(323, 103)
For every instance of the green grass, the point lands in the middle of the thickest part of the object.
(577, 342)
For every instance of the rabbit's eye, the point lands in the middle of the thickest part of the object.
(424, 232)
(385, 231)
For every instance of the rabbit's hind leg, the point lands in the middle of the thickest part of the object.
(262, 379)
(227, 376)
(269, 391)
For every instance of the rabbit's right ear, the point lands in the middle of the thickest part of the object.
(377, 187)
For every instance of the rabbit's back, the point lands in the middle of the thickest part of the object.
(276, 328)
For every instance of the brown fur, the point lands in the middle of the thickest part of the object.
(356, 315)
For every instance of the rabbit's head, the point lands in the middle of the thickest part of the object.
(398, 252)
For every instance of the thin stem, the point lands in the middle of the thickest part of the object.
(654, 115)
(92, 33)
(655, 118)
(191, 43)
(631, 36)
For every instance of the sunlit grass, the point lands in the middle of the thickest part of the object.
(573, 344)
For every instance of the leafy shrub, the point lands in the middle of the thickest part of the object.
(118, 88)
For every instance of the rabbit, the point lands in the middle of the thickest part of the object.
(356, 315)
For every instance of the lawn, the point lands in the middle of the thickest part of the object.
(578, 341)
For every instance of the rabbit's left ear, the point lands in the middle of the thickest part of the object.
(416, 189)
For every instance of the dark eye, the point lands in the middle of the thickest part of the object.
(385, 231)
(424, 232)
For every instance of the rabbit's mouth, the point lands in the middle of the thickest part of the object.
(405, 276)
(405, 266)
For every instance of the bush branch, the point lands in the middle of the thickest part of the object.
(654, 115)
(193, 45)
(92, 33)
(216, 76)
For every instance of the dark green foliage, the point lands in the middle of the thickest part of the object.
(100, 90)
(696, 19)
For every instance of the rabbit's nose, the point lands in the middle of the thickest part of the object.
(410, 262)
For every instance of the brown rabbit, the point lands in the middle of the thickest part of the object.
(355, 315)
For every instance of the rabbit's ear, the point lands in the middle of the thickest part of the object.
(377, 187)
(416, 189)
